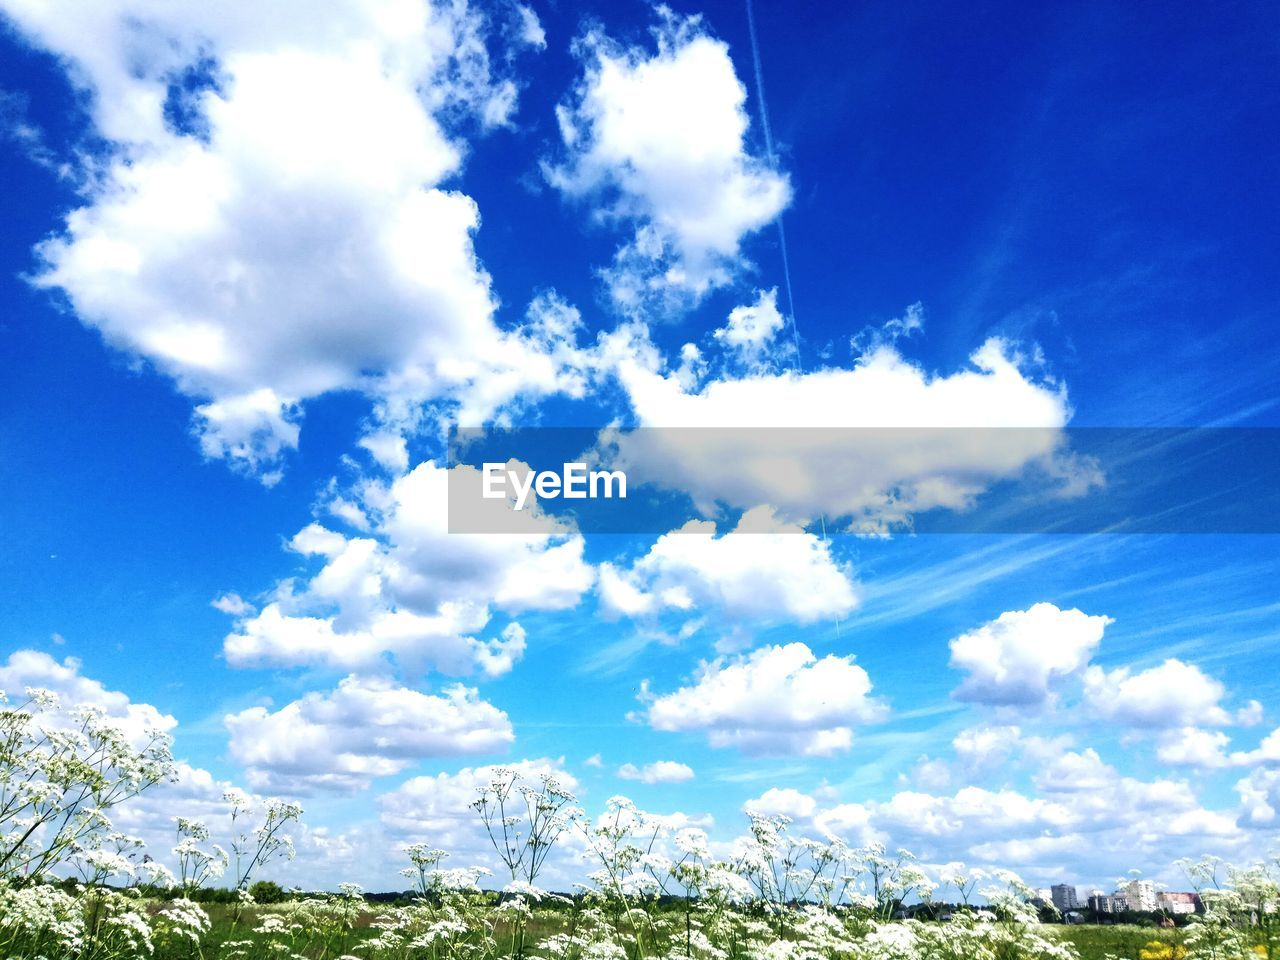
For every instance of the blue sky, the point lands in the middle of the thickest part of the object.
(252, 269)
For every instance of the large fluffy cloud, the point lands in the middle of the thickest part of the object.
(411, 591)
(273, 221)
(1083, 804)
(1022, 657)
(1173, 694)
(657, 138)
(35, 669)
(366, 728)
(1086, 822)
(775, 700)
(874, 443)
(762, 570)
(1259, 798)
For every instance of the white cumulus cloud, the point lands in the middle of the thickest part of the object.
(775, 700)
(1022, 657)
(412, 592)
(1173, 694)
(762, 570)
(782, 801)
(660, 771)
(34, 668)
(657, 139)
(365, 729)
(871, 445)
(294, 234)
(752, 327)
(1085, 819)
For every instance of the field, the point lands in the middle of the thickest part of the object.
(314, 931)
(1127, 942)
(1121, 942)
(254, 933)
(474, 926)
(72, 887)
(1091, 942)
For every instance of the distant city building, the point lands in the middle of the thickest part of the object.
(1101, 902)
(1064, 897)
(1171, 902)
(1141, 896)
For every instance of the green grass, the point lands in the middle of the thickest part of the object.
(1092, 942)
(224, 927)
(1125, 941)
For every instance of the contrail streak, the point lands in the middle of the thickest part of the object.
(773, 165)
(782, 230)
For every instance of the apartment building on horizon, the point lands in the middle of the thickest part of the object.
(1141, 896)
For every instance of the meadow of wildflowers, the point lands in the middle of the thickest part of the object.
(71, 886)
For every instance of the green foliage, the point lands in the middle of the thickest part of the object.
(267, 891)
(1118, 940)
